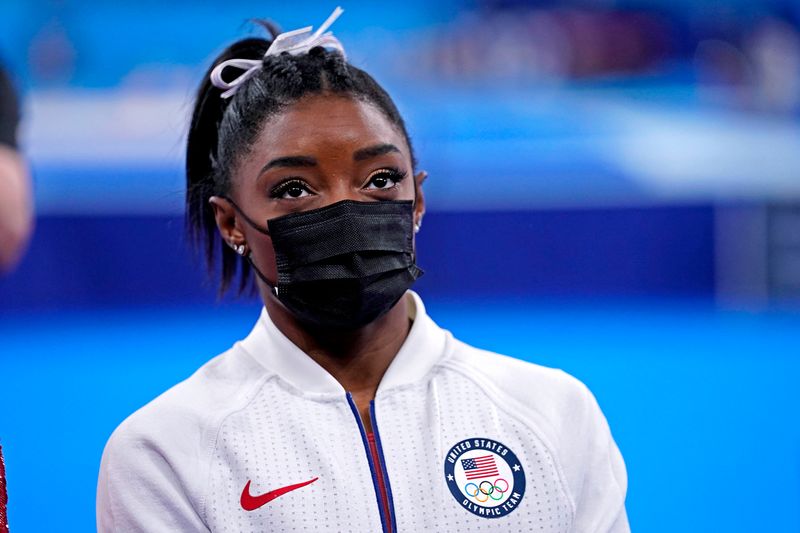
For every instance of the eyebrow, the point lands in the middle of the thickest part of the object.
(308, 161)
(290, 161)
(374, 151)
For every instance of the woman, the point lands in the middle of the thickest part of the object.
(346, 408)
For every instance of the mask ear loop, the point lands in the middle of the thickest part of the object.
(249, 255)
(246, 218)
(414, 225)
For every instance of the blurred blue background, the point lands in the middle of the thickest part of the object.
(614, 190)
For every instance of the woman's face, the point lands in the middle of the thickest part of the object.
(320, 150)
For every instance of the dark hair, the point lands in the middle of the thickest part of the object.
(9, 111)
(223, 130)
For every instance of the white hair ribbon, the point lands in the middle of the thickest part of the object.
(294, 42)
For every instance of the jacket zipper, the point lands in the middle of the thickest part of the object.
(385, 505)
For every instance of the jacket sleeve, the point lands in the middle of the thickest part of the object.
(139, 489)
(600, 490)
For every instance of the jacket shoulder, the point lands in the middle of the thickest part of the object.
(565, 415)
(216, 388)
(549, 395)
(159, 456)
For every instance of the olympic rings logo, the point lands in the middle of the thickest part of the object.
(486, 489)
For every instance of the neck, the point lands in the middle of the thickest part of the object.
(356, 359)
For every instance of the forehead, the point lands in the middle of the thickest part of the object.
(326, 125)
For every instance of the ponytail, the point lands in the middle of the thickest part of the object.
(202, 177)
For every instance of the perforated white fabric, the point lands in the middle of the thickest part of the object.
(266, 414)
(277, 441)
(420, 424)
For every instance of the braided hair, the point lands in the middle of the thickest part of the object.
(222, 131)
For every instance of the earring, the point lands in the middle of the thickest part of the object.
(239, 249)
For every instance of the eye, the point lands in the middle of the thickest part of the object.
(290, 190)
(385, 178)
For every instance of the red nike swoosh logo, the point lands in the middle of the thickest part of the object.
(251, 503)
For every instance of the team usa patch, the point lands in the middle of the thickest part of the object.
(485, 477)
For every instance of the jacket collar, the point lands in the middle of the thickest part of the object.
(423, 348)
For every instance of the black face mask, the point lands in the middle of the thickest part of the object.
(343, 265)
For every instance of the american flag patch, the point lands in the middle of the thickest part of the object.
(479, 467)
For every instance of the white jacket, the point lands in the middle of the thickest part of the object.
(465, 440)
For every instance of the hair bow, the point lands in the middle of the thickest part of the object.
(294, 42)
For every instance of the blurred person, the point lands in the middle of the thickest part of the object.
(346, 408)
(16, 215)
(16, 206)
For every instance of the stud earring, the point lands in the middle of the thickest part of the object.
(238, 248)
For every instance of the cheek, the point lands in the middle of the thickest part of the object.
(408, 190)
(263, 254)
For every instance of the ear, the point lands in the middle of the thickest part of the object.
(225, 215)
(419, 208)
